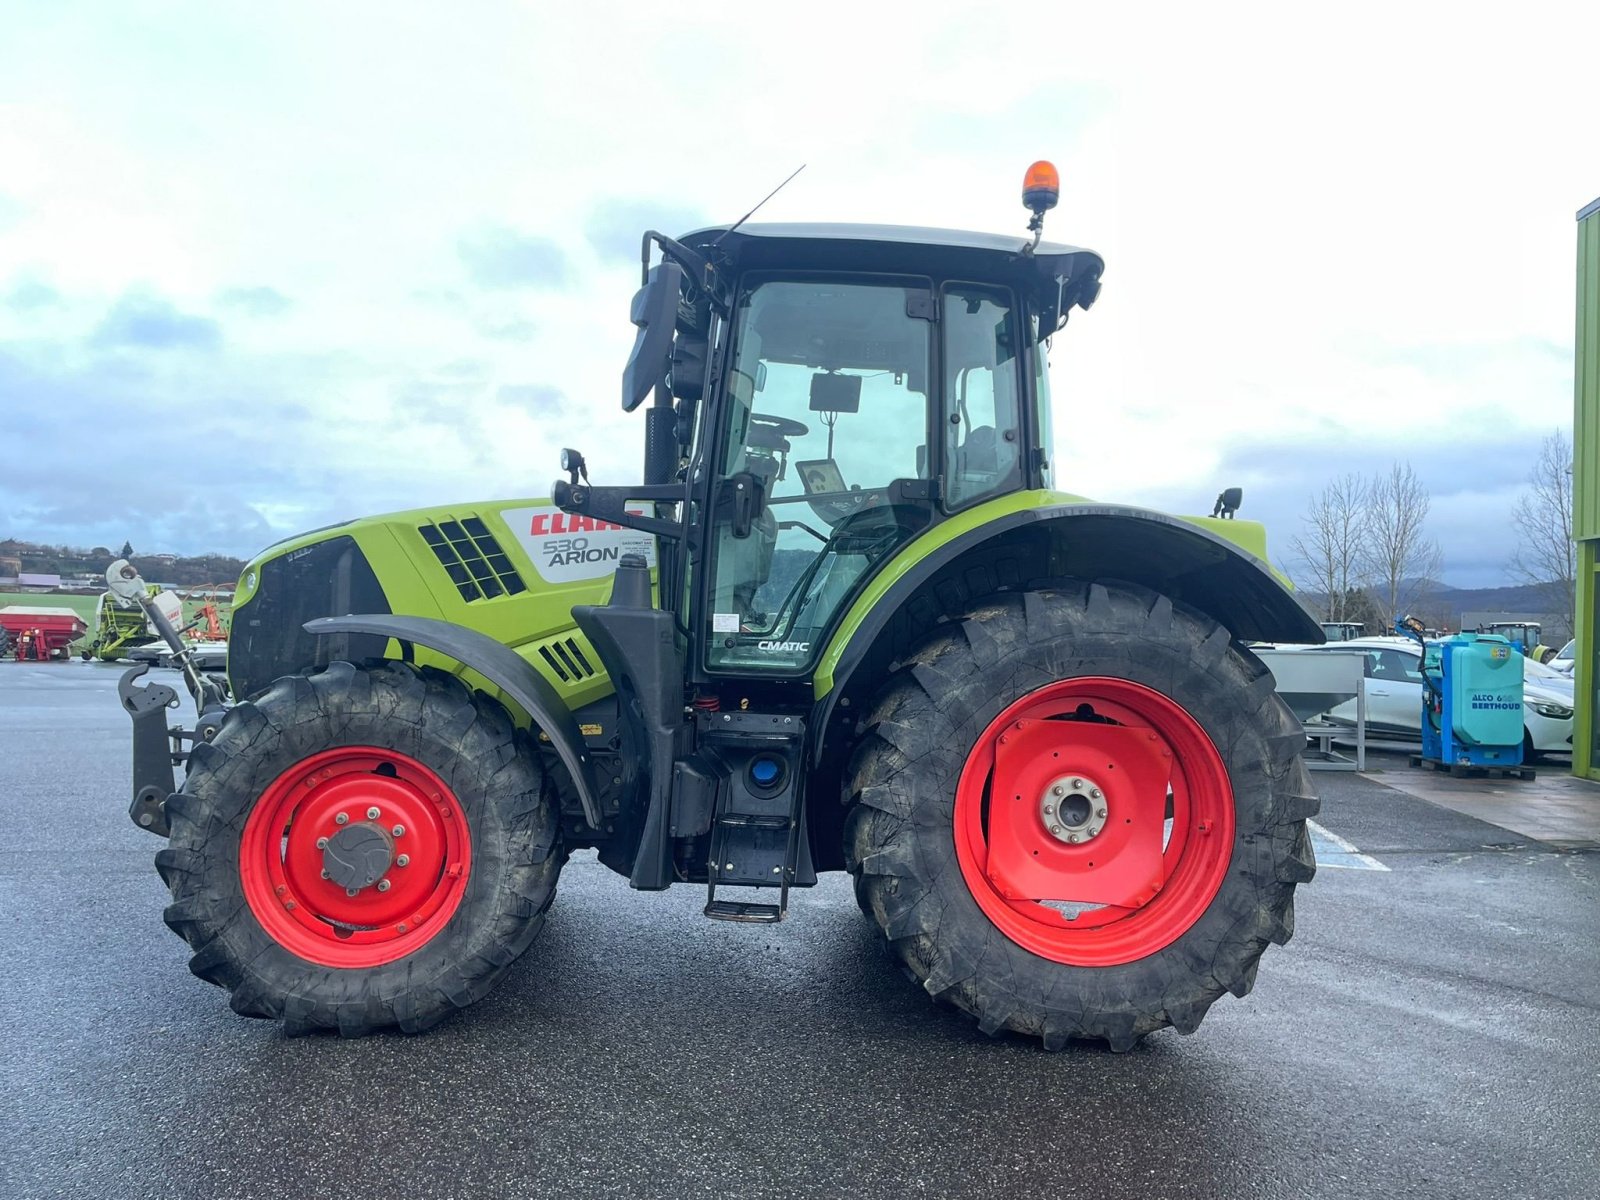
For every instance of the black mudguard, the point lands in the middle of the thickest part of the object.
(501, 666)
(1092, 542)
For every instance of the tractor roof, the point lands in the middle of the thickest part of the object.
(902, 248)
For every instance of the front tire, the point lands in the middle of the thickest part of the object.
(1081, 814)
(361, 849)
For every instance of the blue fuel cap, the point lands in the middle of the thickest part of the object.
(765, 772)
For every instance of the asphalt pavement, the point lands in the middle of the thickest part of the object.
(1432, 1030)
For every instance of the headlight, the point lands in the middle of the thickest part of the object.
(1556, 712)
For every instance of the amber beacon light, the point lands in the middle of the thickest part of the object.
(1041, 187)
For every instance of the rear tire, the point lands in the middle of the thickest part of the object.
(442, 765)
(928, 832)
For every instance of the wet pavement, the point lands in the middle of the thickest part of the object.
(1432, 1030)
(1555, 807)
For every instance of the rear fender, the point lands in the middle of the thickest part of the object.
(501, 666)
(1180, 558)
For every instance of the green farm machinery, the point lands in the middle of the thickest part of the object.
(121, 625)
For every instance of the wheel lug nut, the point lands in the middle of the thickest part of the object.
(372, 814)
(322, 843)
(1058, 790)
(383, 885)
(342, 819)
(351, 891)
(1099, 812)
(1094, 794)
(403, 861)
(1055, 829)
(1072, 837)
(398, 831)
(325, 874)
(1076, 784)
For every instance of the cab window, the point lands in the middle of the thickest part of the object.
(982, 390)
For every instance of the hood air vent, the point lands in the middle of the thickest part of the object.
(473, 559)
(566, 660)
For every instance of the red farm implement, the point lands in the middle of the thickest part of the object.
(38, 634)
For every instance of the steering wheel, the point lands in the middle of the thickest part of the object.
(772, 433)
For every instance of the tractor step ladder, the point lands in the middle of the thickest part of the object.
(727, 845)
(741, 910)
(756, 839)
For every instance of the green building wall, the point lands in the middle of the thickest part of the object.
(1586, 495)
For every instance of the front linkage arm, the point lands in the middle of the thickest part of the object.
(158, 747)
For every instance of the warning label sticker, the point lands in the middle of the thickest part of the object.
(568, 548)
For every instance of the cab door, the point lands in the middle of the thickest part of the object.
(824, 460)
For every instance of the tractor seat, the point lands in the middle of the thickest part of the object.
(985, 454)
(978, 454)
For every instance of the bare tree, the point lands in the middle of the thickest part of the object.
(1332, 550)
(1404, 559)
(1361, 609)
(1546, 556)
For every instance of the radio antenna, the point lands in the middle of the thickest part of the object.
(757, 208)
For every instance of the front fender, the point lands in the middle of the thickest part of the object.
(501, 666)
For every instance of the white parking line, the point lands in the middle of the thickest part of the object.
(1333, 851)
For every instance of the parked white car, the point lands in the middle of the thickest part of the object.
(1565, 659)
(1393, 687)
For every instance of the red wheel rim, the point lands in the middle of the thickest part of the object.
(1137, 786)
(281, 865)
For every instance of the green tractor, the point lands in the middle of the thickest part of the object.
(845, 623)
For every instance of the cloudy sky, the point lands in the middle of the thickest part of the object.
(265, 267)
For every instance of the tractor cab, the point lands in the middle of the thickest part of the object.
(1524, 635)
(829, 393)
(1343, 631)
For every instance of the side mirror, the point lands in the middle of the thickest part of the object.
(655, 312)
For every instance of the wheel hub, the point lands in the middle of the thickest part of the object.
(1112, 765)
(1045, 846)
(357, 856)
(1073, 808)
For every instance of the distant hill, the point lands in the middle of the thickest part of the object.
(1518, 598)
(193, 571)
(1509, 598)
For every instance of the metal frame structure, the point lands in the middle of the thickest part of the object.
(1586, 497)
